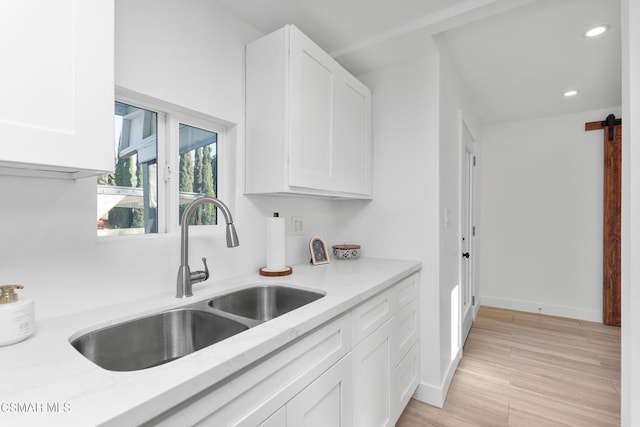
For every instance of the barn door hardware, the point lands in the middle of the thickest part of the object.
(610, 123)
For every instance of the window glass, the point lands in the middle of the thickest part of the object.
(128, 198)
(198, 171)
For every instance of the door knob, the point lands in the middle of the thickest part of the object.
(466, 255)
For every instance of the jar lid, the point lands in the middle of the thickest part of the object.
(346, 247)
(8, 293)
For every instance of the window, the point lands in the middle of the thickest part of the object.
(198, 171)
(142, 196)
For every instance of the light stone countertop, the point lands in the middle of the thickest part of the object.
(45, 381)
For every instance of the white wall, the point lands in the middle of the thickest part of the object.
(186, 52)
(189, 53)
(455, 105)
(402, 219)
(416, 119)
(630, 410)
(541, 215)
(417, 107)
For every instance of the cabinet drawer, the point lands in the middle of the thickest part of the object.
(406, 331)
(371, 314)
(407, 290)
(404, 381)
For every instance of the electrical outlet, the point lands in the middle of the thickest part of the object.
(297, 226)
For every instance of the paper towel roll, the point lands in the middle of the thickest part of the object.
(275, 243)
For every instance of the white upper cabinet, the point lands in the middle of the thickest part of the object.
(308, 121)
(56, 114)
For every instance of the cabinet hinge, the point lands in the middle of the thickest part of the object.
(473, 230)
(474, 160)
(473, 300)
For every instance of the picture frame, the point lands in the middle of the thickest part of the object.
(319, 253)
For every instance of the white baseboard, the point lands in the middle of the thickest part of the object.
(594, 315)
(436, 395)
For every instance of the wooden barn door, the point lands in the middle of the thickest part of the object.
(611, 273)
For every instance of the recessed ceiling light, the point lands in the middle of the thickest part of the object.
(596, 31)
(570, 93)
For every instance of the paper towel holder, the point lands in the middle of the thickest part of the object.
(271, 272)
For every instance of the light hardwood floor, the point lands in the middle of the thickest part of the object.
(524, 369)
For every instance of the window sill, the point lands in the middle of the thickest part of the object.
(194, 231)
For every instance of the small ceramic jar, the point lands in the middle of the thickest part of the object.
(346, 251)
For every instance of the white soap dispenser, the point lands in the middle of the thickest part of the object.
(17, 320)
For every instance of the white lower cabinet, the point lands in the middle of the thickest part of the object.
(252, 396)
(404, 380)
(371, 314)
(372, 379)
(326, 401)
(359, 369)
(405, 331)
(386, 362)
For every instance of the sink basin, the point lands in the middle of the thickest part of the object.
(156, 339)
(162, 337)
(264, 302)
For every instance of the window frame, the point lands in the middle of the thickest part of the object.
(169, 118)
(173, 163)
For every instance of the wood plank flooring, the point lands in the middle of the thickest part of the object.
(525, 369)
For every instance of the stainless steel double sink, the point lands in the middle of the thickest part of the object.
(159, 338)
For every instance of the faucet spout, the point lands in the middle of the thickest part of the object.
(186, 278)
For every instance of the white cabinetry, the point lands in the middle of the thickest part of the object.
(371, 314)
(405, 378)
(372, 360)
(385, 359)
(358, 369)
(405, 357)
(372, 377)
(258, 395)
(308, 121)
(326, 401)
(56, 114)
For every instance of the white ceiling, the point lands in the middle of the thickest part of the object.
(334, 24)
(515, 57)
(517, 65)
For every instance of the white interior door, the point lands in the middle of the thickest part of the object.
(467, 232)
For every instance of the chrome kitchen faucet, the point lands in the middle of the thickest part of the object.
(186, 278)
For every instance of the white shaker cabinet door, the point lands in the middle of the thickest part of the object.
(57, 84)
(330, 122)
(326, 401)
(312, 74)
(308, 121)
(352, 141)
(372, 379)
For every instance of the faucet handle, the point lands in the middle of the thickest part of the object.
(206, 269)
(200, 276)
